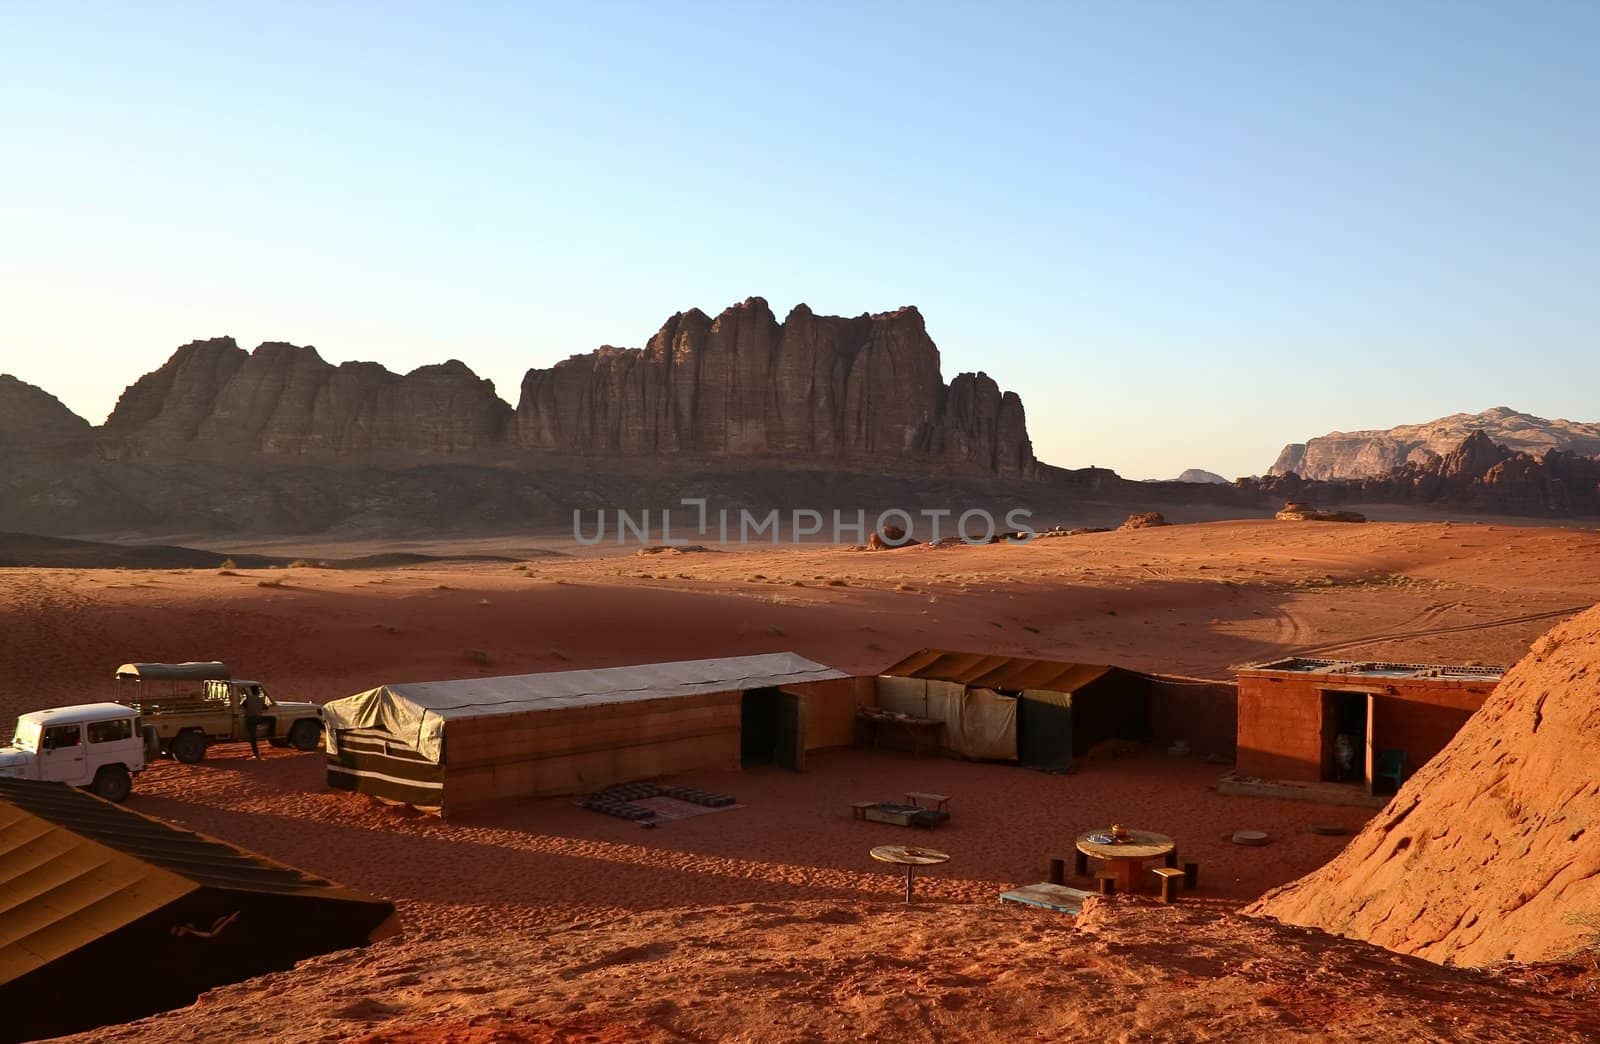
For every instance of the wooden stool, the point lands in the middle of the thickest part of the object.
(859, 808)
(1191, 874)
(1108, 884)
(1058, 871)
(1170, 876)
(1080, 864)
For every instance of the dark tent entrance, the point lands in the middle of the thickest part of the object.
(1054, 727)
(772, 729)
(1044, 730)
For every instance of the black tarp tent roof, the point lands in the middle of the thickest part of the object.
(90, 892)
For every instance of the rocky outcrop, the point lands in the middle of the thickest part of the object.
(1201, 475)
(1476, 475)
(1490, 851)
(1370, 454)
(811, 387)
(863, 391)
(34, 421)
(1295, 511)
(212, 397)
(1144, 520)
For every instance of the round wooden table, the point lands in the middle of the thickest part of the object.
(910, 857)
(1125, 859)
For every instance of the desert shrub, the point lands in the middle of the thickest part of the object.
(478, 656)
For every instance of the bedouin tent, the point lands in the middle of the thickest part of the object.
(1041, 713)
(448, 744)
(110, 915)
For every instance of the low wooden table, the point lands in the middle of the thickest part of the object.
(1125, 859)
(937, 802)
(910, 857)
(918, 730)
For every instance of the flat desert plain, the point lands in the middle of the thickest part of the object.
(540, 921)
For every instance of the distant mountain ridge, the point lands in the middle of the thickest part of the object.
(1373, 454)
(863, 391)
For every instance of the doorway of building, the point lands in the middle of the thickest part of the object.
(1344, 737)
(772, 729)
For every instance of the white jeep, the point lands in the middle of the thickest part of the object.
(94, 745)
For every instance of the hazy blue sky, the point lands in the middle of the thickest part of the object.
(1186, 233)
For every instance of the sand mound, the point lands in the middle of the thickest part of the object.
(813, 971)
(1492, 851)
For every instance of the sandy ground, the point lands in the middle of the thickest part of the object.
(818, 971)
(540, 863)
(1185, 599)
(541, 884)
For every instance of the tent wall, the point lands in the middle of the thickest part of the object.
(977, 723)
(579, 749)
(1114, 706)
(371, 761)
(1203, 714)
(829, 708)
(904, 695)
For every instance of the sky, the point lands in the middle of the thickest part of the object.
(1186, 233)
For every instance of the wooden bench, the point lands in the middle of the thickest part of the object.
(859, 808)
(1170, 876)
(937, 802)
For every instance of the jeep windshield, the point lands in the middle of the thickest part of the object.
(27, 736)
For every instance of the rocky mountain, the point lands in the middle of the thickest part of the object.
(1478, 474)
(864, 392)
(33, 420)
(1201, 475)
(1369, 454)
(865, 389)
(1489, 852)
(212, 397)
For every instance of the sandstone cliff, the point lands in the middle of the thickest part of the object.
(1477, 474)
(811, 387)
(34, 421)
(863, 391)
(1490, 851)
(1369, 454)
(213, 397)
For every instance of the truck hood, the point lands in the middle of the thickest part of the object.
(13, 761)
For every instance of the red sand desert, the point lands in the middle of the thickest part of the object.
(540, 921)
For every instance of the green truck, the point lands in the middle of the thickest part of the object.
(193, 705)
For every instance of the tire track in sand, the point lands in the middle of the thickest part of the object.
(1388, 636)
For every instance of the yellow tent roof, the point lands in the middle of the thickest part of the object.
(998, 672)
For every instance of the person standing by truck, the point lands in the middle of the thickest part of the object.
(254, 705)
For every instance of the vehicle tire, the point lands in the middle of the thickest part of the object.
(189, 747)
(305, 735)
(113, 783)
